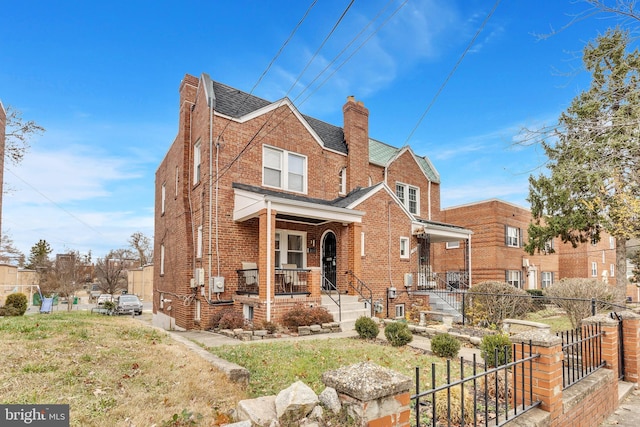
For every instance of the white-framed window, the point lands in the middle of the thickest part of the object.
(452, 245)
(399, 311)
(362, 253)
(612, 242)
(289, 247)
(612, 270)
(284, 169)
(197, 161)
(163, 195)
(199, 243)
(548, 246)
(343, 181)
(409, 196)
(513, 278)
(198, 311)
(512, 236)
(177, 181)
(547, 279)
(161, 259)
(247, 312)
(594, 269)
(404, 247)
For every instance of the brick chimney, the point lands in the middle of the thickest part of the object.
(356, 135)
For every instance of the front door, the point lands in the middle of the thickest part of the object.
(329, 261)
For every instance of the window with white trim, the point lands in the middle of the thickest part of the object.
(163, 195)
(612, 242)
(612, 270)
(197, 161)
(362, 244)
(399, 311)
(284, 169)
(513, 277)
(247, 312)
(546, 278)
(594, 269)
(452, 245)
(289, 247)
(343, 181)
(409, 196)
(404, 247)
(548, 246)
(199, 243)
(512, 237)
(161, 259)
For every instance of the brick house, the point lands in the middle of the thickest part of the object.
(500, 232)
(259, 207)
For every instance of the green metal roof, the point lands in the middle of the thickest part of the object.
(381, 154)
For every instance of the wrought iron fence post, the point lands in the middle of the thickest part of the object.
(593, 306)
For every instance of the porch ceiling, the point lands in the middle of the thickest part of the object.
(249, 204)
(440, 232)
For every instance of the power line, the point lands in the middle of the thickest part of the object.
(453, 70)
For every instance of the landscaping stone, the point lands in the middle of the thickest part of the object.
(315, 328)
(246, 423)
(238, 331)
(304, 330)
(295, 402)
(260, 333)
(261, 411)
(475, 341)
(367, 381)
(329, 398)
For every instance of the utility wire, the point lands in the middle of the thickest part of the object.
(453, 70)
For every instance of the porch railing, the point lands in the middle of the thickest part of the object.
(362, 289)
(331, 290)
(288, 281)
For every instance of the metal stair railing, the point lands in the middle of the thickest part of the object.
(361, 288)
(449, 294)
(327, 288)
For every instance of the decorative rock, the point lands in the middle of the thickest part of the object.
(367, 381)
(329, 398)
(260, 411)
(315, 328)
(475, 341)
(260, 333)
(295, 402)
(304, 330)
(238, 331)
(246, 423)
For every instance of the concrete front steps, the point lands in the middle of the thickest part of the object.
(440, 305)
(352, 308)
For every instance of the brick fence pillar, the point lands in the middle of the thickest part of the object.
(373, 395)
(546, 370)
(631, 340)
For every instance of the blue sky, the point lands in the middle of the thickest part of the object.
(103, 77)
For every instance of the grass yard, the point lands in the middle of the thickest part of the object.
(112, 371)
(558, 321)
(274, 366)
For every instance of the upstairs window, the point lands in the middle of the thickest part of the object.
(513, 236)
(283, 169)
(343, 181)
(197, 160)
(409, 196)
(163, 196)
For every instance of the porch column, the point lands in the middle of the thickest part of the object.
(354, 260)
(266, 254)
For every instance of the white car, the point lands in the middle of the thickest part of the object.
(104, 298)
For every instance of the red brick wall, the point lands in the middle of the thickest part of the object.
(576, 262)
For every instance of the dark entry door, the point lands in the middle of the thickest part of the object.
(329, 261)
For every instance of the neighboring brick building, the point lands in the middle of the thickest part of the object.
(499, 234)
(260, 207)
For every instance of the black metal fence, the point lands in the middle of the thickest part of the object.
(493, 396)
(582, 351)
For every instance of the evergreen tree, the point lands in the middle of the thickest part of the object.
(592, 184)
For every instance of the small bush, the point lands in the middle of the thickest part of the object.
(269, 327)
(574, 296)
(398, 334)
(301, 315)
(451, 412)
(488, 303)
(232, 320)
(9, 311)
(445, 345)
(491, 343)
(18, 301)
(367, 328)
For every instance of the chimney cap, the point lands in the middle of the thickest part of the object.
(351, 98)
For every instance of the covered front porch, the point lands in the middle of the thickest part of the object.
(301, 244)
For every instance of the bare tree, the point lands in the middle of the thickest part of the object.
(143, 246)
(69, 274)
(18, 135)
(111, 270)
(9, 254)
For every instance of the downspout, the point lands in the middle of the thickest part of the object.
(210, 102)
(268, 272)
(469, 260)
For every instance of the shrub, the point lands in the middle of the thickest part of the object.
(449, 410)
(367, 328)
(445, 345)
(18, 301)
(488, 303)
(232, 320)
(8, 310)
(574, 296)
(537, 299)
(269, 327)
(301, 315)
(491, 343)
(398, 334)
